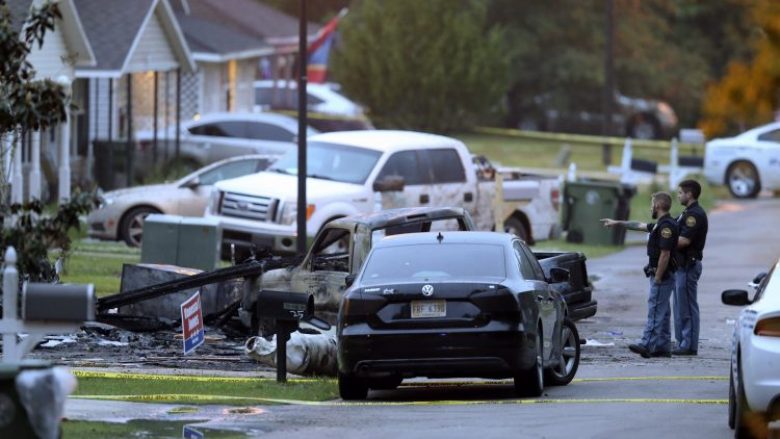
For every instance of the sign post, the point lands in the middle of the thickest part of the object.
(192, 323)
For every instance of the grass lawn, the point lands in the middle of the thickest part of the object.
(99, 263)
(203, 390)
(532, 153)
(138, 429)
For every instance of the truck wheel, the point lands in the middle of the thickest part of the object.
(516, 227)
(132, 228)
(562, 373)
(644, 127)
(743, 180)
(352, 387)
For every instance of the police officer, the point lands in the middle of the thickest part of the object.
(661, 251)
(692, 223)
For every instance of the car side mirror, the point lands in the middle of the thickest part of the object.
(192, 184)
(349, 280)
(389, 183)
(757, 280)
(735, 297)
(558, 274)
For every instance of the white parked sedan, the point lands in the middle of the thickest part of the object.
(754, 385)
(122, 213)
(746, 163)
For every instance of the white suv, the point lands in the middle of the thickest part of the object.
(218, 136)
(321, 98)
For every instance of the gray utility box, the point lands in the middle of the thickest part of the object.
(184, 241)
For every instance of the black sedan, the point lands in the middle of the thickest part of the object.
(454, 304)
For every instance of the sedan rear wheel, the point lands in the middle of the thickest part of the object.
(352, 387)
(743, 180)
(747, 424)
(562, 373)
(530, 382)
(132, 229)
(732, 401)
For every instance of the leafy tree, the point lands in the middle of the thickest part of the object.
(665, 49)
(27, 104)
(749, 92)
(431, 65)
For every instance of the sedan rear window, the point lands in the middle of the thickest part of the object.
(435, 262)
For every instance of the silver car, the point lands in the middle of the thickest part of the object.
(121, 215)
(218, 136)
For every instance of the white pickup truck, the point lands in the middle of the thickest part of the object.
(356, 172)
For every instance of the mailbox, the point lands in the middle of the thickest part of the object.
(58, 302)
(285, 306)
(286, 309)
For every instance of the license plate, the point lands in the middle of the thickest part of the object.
(429, 308)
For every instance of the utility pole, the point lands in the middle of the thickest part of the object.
(302, 122)
(609, 79)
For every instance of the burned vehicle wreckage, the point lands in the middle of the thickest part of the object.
(230, 295)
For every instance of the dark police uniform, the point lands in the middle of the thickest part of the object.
(693, 225)
(657, 337)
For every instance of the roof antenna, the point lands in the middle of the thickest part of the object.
(439, 237)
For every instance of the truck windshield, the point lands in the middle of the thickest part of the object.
(435, 262)
(330, 161)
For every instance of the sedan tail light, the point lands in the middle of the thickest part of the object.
(769, 327)
(555, 197)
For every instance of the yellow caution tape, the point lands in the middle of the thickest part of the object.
(171, 397)
(654, 378)
(228, 398)
(576, 380)
(195, 378)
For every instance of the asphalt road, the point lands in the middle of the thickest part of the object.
(616, 393)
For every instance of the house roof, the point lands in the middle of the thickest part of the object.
(206, 37)
(70, 26)
(218, 30)
(111, 28)
(114, 27)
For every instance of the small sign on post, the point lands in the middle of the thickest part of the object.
(192, 323)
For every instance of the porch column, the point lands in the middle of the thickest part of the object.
(64, 168)
(17, 182)
(64, 165)
(35, 172)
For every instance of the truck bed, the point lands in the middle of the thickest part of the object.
(578, 292)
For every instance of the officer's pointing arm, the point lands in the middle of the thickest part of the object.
(631, 225)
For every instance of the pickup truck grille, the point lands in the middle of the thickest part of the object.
(248, 207)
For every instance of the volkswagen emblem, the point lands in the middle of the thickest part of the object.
(427, 290)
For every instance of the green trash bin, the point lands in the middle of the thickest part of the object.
(586, 202)
(14, 422)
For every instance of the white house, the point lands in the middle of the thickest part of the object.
(64, 49)
(230, 41)
(141, 56)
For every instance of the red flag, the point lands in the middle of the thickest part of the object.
(319, 50)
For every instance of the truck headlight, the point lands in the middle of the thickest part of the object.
(215, 201)
(290, 212)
